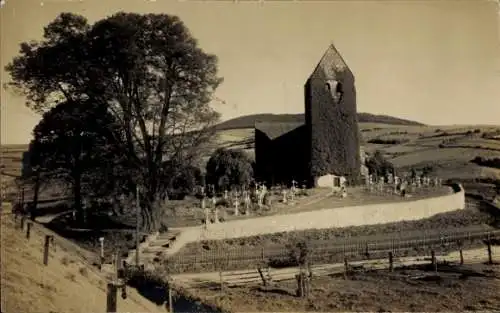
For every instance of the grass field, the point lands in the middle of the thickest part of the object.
(472, 287)
(448, 149)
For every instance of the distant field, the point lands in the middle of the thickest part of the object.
(447, 148)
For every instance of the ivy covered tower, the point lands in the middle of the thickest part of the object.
(331, 119)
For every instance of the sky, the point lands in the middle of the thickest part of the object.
(437, 62)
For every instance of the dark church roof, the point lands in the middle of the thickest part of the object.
(274, 130)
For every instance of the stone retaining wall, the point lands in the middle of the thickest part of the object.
(331, 218)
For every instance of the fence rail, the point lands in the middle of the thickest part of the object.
(337, 250)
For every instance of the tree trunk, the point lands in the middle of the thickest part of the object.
(35, 196)
(77, 198)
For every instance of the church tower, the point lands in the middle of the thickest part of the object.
(331, 119)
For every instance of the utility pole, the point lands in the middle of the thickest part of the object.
(1, 159)
(138, 214)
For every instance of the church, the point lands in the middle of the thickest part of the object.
(324, 149)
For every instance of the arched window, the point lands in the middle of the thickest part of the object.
(336, 90)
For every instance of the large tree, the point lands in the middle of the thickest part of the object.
(149, 72)
(73, 142)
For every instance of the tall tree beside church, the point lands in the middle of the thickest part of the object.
(147, 69)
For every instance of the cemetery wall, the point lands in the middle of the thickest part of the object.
(330, 218)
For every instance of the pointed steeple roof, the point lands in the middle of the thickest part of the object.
(330, 63)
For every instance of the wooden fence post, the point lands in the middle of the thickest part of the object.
(111, 298)
(48, 239)
(170, 301)
(460, 245)
(23, 219)
(28, 230)
(490, 256)
(367, 252)
(101, 256)
(346, 267)
(391, 262)
(434, 261)
(221, 282)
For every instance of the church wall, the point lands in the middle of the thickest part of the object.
(263, 156)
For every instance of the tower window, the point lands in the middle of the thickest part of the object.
(336, 90)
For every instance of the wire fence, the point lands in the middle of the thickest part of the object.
(232, 258)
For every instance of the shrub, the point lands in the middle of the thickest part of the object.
(378, 165)
(494, 162)
(229, 168)
(387, 141)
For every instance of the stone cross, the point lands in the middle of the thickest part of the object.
(381, 185)
(216, 215)
(247, 202)
(435, 181)
(402, 187)
(292, 193)
(225, 194)
(390, 179)
(236, 205)
(205, 209)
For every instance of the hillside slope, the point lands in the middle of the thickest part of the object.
(248, 121)
(65, 285)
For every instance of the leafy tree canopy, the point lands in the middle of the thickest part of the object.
(229, 168)
(149, 73)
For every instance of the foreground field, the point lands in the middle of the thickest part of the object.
(65, 285)
(472, 287)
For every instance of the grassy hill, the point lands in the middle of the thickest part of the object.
(65, 285)
(248, 121)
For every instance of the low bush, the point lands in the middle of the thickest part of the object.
(493, 162)
(380, 141)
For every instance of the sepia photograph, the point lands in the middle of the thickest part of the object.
(227, 156)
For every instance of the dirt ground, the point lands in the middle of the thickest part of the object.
(65, 285)
(413, 289)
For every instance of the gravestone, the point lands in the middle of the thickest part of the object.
(284, 196)
(226, 193)
(236, 205)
